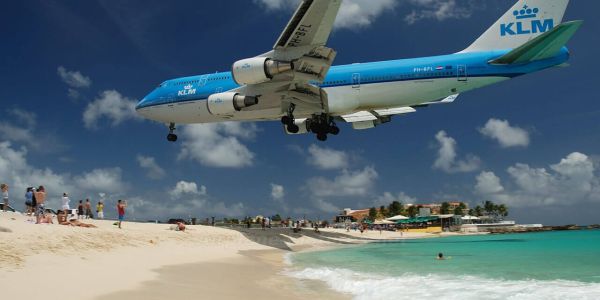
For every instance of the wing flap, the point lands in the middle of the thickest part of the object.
(360, 116)
(395, 111)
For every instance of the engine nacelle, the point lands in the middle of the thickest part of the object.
(301, 123)
(228, 103)
(258, 70)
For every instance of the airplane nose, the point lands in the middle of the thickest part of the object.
(140, 104)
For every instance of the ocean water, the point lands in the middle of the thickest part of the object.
(552, 265)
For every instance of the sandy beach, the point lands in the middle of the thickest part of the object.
(150, 261)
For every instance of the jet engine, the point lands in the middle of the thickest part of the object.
(258, 70)
(302, 127)
(228, 103)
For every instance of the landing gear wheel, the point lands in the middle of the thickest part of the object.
(322, 137)
(293, 128)
(334, 130)
(172, 137)
(286, 120)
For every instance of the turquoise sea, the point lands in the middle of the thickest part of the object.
(552, 265)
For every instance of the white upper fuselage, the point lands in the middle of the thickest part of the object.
(350, 88)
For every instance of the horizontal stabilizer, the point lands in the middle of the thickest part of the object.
(544, 46)
(446, 100)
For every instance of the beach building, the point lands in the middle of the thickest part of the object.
(352, 215)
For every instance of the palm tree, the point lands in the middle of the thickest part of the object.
(373, 213)
(412, 211)
(445, 209)
(502, 210)
(478, 211)
(383, 212)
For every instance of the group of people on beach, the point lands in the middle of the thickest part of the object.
(35, 200)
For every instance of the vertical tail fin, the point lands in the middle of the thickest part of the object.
(526, 20)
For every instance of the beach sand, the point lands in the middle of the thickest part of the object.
(150, 261)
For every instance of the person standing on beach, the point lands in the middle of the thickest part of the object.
(100, 210)
(40, 198)
(88, 209)
(29, 201)
(121, 205)
(4, 188)
(80, 210)
(65, 203)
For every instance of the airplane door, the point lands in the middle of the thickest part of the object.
(203, 80)
(462, 72)
(356, 81)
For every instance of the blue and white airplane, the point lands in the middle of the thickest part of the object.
(296, 83)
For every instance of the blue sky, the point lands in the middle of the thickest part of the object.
(71, 71)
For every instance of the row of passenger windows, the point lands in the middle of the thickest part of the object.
(396, 77)
(198, 80)
(365, 79)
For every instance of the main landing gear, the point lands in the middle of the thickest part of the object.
(289, 121)
(322, 125)
(171, 137)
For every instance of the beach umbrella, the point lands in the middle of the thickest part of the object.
(397, 218)
(384, 222)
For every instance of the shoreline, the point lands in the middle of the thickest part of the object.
(149, 259)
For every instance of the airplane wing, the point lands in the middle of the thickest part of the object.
(370, 118)
(301, 48)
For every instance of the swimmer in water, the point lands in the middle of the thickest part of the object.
(440, 256)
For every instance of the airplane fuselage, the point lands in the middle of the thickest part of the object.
(350, 88)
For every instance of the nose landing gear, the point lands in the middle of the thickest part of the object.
(171, 137)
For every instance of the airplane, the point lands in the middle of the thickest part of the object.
(297, 84)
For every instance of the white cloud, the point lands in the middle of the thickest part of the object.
(348, 183)
(153, 170)
(74, 79)
(277, 191)
(109, 181)
(325, 206)
(440, 10)
(190, 206)
(110, 105)
(360, 13)
(508, 136)
(352, 14)
(388, 198)
(218, 145)
(447, 161)
(183, 188)
(188, 199)
(488, 183)
(573, 180)
(20, 126)
(327, 158)
(19, 174)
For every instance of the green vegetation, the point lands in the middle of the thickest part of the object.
(460, 209)
(373, 213)
(395, 208)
